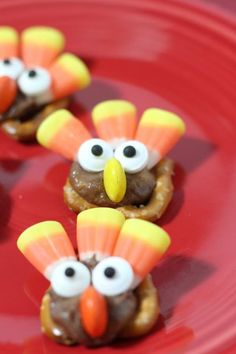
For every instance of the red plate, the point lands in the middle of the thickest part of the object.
(166, 53)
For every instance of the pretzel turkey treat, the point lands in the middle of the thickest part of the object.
(35, 78)
(124, 167)
(106, 291)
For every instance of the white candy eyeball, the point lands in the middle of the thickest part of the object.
(112, 276)
(70, 278)
(93, 155)
(11, 67)
(132, 155)
(35, 81)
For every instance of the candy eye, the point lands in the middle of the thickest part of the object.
(70, 278)
(11, 67)
(93, 155)
(132, 155)
(34, 82)
(112, 276)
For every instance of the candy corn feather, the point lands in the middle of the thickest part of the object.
(44, 244)
(142, 244)
(40, 46)
(97, 231)
(9, 42)
(62, 133)
(115, 119)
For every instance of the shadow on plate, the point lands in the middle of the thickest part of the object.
(10, 173)
(190, 153)
(99, 90)
(172, 341)
(177, 276)
(56, 176)
(5, 212)
(193, 152)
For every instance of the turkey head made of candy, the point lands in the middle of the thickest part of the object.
(104, 293)
(123, 168)
(35, 78)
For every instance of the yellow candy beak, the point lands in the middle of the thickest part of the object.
(114, 180)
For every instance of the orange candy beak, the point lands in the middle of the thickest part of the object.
(8, 92)
(94, 312)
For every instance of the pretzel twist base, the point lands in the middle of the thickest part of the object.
(26, 131)
(147, 313)
(156, 206)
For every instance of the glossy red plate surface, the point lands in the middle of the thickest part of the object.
(170, 54)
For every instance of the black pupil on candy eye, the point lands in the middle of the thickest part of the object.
(97, 150)
(7, 61)
(69, 272)
(109, 272)
(32, 73)
(129, 151)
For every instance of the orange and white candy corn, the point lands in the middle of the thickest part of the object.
(9, 42)
(142, 244)
(41, 45)
(159, 130)
(97, 232)
(63, 133)
(115, 120)
(44, 244)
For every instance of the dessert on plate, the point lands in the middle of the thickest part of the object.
(124, 167)
(106, 291)
(36, 78)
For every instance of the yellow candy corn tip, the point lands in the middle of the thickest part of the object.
(38, 231)
(114, 180)
(101, 216)
(42, 35)
(156, 116)
(51, 125)
(148, 233)
(77, 68)
(112, 108)
(8, 34)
